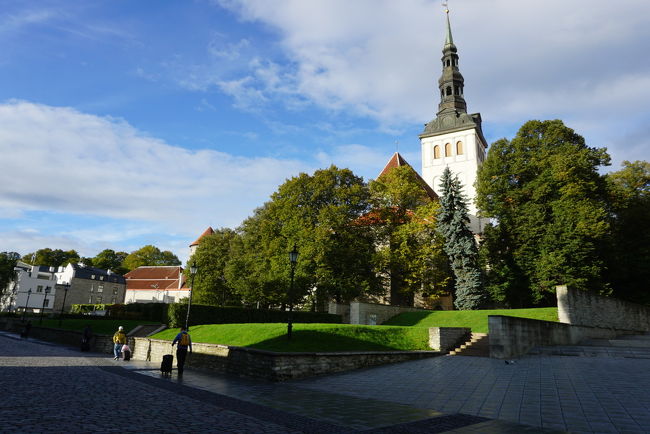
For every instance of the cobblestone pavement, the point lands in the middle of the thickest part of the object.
(578, 394)
(49, 388)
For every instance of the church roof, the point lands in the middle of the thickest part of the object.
(207, 232)
(396, 161)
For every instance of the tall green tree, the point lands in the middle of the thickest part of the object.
(460, 245)
(7, 274)
(109, 259)
(628, 254)
(409, 255)
(211, 285)
(315, 213)
(149, 255)
(52, 257)
(547, 202)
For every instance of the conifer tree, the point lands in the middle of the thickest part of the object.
(453, 224)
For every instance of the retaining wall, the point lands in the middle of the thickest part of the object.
(445, 339)
(513, 337)
(584, 308)
(269, 365)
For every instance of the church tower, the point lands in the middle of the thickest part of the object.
(454, 138)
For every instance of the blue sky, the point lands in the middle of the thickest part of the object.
(127, 123)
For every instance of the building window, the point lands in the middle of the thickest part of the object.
(92, 276)
(447, 149)
(436, 151)
(113, 300)
(99, 299)
(101, 277)
(39, 288)
(90, 299)
(448, 90)
(115, 290)
(92, 288)
(46, 302)
(100, 288)
(48, 289)
(459, 148)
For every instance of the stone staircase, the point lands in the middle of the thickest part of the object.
(477, 346)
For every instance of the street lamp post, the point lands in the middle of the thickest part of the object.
(29, 292)
(293, 258)
(40, 317)
(193, 270)
(66, 286)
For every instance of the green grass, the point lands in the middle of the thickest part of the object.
(476, 319)
(308, 337)
(99, 326)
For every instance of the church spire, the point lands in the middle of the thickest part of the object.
(451, 81)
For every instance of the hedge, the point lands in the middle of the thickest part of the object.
(203, 314)
(142, 311)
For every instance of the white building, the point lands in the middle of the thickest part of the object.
(33, 290)
(155, 284)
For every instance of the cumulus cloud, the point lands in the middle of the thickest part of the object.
(58, 159)
(577, 61)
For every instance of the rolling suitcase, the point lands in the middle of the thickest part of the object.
(166, 365)
(127, 356)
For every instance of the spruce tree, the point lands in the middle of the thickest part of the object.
(453, 224)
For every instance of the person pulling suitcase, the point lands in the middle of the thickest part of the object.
(184, 345)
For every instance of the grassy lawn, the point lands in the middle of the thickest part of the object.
(99, 326)
(476, 319)
(308, 337)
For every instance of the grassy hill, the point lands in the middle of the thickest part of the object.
(309, 337)
(476, 319)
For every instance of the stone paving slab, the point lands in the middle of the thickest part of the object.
(56, 389)
(577, 394)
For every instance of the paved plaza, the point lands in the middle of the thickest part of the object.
(50, 388)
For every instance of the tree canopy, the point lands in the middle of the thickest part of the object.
(7, 274)
(149, 255)
(211, 257)
(52, 257)
(109, 259)
(547, 203)
(628, 253)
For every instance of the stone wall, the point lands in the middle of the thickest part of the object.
(513, 337)
(373, 314)
(340, 309)
(584, 308)
(268, 365)
(445, 339)
(98, 344)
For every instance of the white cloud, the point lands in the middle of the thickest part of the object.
(578, 61)
(57, 159)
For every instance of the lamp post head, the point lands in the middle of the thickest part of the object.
(193, 268)
(293, 255)
(29, 291)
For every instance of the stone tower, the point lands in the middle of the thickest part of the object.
(454, 138)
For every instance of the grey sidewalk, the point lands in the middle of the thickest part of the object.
(71, 391)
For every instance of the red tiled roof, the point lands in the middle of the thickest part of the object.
(155, 272)
(155, 278)
(396, 161)
(208, 231)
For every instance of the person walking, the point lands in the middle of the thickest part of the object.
(119, 339)
(184, 345)
(86, 337)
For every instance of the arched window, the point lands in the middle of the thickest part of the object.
(448, 90)
(447, 149)
(456, 91)
(436, 151)
(459, 148)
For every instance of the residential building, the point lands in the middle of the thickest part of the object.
(155, 284)
(32, 290)
(81, 284)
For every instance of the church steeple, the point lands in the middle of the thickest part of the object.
(451, 81)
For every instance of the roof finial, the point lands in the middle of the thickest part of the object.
(448, 40)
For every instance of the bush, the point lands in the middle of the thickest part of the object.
(203, 314)
(87, 308)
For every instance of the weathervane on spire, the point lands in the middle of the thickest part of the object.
(445, 5)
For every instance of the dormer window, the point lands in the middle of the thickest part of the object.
(92, 276)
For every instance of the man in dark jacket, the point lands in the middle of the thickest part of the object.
(184, 345)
